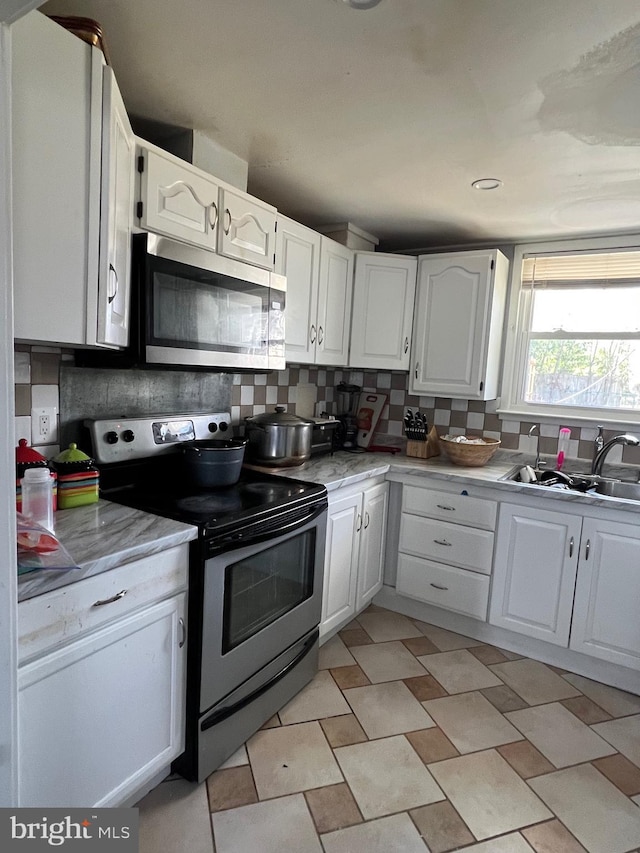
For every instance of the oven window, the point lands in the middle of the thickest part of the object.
(263, 587)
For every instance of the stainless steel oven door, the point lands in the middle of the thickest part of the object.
(258, 600)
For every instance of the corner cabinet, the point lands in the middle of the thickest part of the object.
(72, 145)
(101, 684)
(383, 296)
(356, 527)
(457, 325)
(319, 275)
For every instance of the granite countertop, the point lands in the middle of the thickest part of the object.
(102, 536)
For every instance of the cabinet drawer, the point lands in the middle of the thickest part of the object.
(445, 586)
(57, 617)
(457, 509)
(447, 543)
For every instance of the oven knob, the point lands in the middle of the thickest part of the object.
(128, 435)
(213, 427)
(111, 437)
(224, 426)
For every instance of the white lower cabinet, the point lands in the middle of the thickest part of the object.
(356, 527)
(101, 710)
(446, 562)
(569, 580)
(606, 622)
(534, 572)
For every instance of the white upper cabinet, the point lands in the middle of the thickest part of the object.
(457, 326)
(62, 187)
(179, 200)
(247, 228)
(383, 296)
(298, 258)
(335, 289)
(176, 199)
(319, 275)
(118, 152)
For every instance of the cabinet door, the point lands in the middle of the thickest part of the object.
(334, 303)
(55, 178)
(605, 614)
(344, 523)
(116, 216)
(383, 295)
(371, 557)
(247, 228)
(104, 713)
(534, 572)
(457, 331)
(178, 200)
(298, 258)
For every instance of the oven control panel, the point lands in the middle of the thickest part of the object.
(124, 439)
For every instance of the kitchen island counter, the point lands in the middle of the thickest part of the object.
(102, 536)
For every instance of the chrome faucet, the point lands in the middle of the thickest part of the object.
(536, 428)
(626, 439)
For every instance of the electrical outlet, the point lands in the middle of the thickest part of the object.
(44, 425)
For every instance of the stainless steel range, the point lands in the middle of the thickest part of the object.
(255, 578)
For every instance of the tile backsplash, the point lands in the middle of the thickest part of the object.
(46, 377)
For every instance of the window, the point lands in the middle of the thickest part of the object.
(574, 345)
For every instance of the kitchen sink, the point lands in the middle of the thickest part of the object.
(618, 489)
(586, 483)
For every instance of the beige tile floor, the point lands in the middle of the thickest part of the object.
(412, 739)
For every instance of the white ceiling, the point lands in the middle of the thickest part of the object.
(383, 118)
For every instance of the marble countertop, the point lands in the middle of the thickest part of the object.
(345, 469)
(102, 536)
(105, 535)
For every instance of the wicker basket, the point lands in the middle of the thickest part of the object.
(471, 455)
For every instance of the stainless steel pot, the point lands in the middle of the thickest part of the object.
(279, 438)
(213, 462)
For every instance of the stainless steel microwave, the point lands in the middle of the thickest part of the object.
(195, 309)
(198, 309)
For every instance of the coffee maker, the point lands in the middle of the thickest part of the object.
(347, 397)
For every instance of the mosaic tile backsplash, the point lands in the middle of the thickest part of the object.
(44, 375)
(254, 394)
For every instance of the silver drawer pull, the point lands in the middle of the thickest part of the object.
(116, 597)
(442, 542)
(448, 508)
(437, 586)
(184, 632)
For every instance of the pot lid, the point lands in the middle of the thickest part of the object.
(26, 455)
(279, 418)
(72, 454)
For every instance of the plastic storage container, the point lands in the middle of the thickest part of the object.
(37, 496)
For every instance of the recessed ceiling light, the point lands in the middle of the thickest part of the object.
(487, 184)
(361, 4)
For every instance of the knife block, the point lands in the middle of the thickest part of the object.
(424, 449)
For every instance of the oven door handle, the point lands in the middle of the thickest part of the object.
(235, 540)
(222, 714)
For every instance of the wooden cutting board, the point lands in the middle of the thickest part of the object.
(370, 408)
